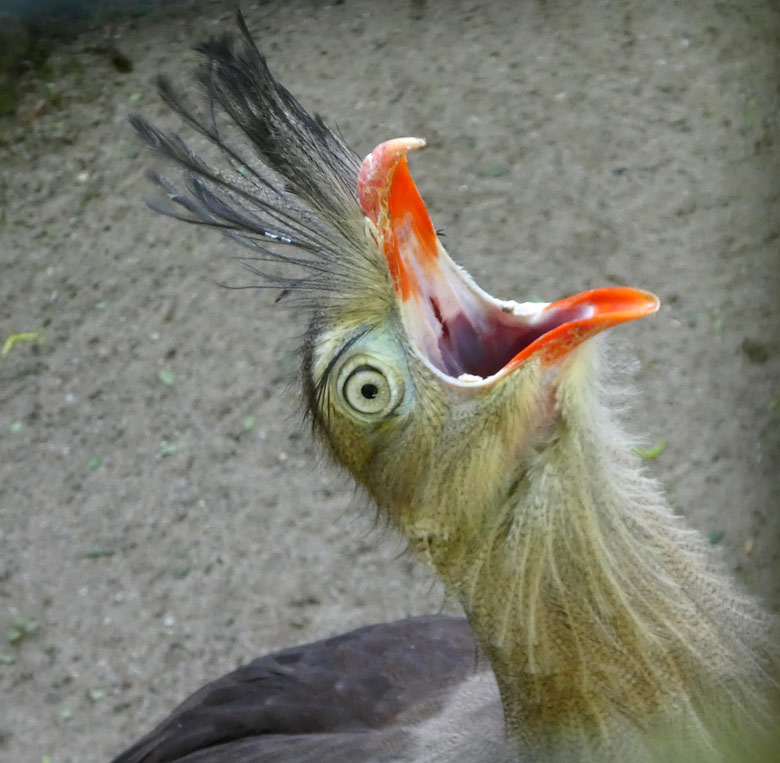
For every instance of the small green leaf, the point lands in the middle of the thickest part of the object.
(53, 94)
(16, 427)
(250, 422)
(494, 171)
(170, 449)
(20, 629)
(167, 377)
(97, 551)
(123, 150)
(288, 362)
(650, 453)
(23, 336)
(715, 537)
(93, 462)
(180, 571)
(96, 695)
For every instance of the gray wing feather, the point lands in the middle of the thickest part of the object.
(352, 697)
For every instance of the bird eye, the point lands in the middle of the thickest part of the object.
(369, 390)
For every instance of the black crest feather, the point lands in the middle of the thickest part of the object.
(285, 185)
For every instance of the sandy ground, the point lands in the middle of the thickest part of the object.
(163, 514)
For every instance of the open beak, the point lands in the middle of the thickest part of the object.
(459, 329)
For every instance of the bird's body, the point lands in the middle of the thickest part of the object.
(373, 694)
(603, 630)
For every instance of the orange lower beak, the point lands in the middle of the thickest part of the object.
(584, 315)
(459, 329)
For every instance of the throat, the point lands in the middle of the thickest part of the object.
(598, 611)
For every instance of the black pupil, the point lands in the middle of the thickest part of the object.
(369, 391)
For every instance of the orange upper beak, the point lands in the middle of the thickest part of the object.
(460, 329)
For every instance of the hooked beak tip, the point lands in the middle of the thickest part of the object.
(377, 170)
(390, 199)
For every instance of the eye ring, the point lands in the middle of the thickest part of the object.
(368, 389)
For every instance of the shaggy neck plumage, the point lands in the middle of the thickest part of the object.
(599, 612)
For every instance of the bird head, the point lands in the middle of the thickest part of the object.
(429, 390)
(467, 418)
(433, 391)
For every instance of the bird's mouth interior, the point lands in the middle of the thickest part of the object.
(467, 334)
(480, 343)
(460, 330)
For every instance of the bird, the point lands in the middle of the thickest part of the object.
(598, 627)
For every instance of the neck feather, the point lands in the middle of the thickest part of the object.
(600, 612)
